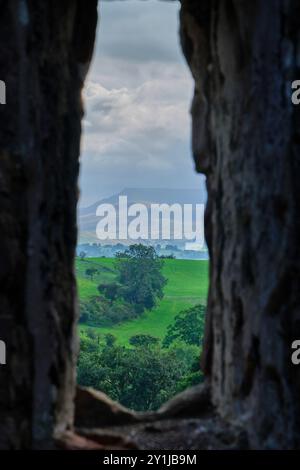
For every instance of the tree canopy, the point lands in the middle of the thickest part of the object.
(140, 281)
(188, 326)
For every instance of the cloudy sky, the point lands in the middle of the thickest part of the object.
(137, 99)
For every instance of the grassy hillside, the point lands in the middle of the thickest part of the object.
(187, 285)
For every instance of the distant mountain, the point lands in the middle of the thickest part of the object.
(87, 216)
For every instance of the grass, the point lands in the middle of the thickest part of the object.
(187, 286)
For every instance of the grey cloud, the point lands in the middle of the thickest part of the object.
(137, 124)
(136, 31)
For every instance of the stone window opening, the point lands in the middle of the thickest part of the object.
(92, 407)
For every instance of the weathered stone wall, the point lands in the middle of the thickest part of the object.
(244, 56)
(45, 48)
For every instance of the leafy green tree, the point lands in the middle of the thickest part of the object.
(141, 378)
(187, 327)
(82, 255)
(110, 339)
(92, 312)
(92, 334)
(110, 291)
(139, 273)
(98, 311)
(144, 341)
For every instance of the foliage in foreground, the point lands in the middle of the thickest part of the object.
(142, 377)
(148, 369)
(147, 374)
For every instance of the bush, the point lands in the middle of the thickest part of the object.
(98, 311)
(92, 312)
(142, 377)
(187, 327)
(143, 341)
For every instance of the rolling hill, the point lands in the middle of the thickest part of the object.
(187, 286)
(88, 220)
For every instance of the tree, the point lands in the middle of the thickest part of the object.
(82, 255)
(144, 341)
(110, 291)
(91, 272)
(99, 311)
(140, 275)
(92, 312)
(141, 378)
(172, 256)
(188, 327)
(110, 340)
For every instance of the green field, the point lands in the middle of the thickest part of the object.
(187, 286)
